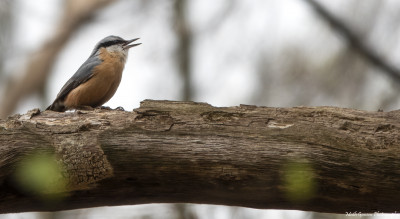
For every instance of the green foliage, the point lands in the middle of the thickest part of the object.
(299, 181)
(41, 175)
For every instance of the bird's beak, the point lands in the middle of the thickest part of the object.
(127, 46)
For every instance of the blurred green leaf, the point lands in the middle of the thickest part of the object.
(299, 180)
(41, 175)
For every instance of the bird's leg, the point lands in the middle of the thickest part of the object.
(104, 107)
(120, 108)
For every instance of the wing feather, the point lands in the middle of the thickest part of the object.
(82, 75)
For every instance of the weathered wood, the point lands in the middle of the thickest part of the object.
(189, 152)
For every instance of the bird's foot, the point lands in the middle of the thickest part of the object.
(104, 108)
(120, 108)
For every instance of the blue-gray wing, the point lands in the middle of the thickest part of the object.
(83, 74)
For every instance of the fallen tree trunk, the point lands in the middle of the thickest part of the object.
(323, 159)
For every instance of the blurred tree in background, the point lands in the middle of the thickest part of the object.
(5, 33)
(273, 53)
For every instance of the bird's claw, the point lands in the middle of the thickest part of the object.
(104, 108)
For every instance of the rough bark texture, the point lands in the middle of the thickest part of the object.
(195, 153)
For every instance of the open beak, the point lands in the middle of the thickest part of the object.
(127, 44)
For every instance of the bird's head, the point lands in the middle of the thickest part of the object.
(115, 44)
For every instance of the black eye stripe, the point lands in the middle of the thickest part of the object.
(107, 43)
(110, 43)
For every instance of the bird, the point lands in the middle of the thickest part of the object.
(97, 79)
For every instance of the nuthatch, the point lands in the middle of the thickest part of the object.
(98, 78)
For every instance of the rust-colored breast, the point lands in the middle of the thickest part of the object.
(101, 86)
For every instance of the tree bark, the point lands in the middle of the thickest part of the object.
(171, 152)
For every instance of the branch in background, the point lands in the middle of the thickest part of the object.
(216, 21)
(5, 34)
(355, 42)
(76, 14)
(184, 42)
(324, 159)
